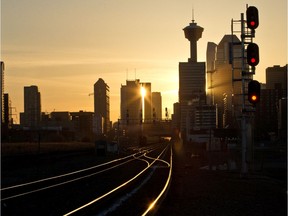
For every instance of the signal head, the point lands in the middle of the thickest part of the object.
(252, 17)
(253, 54)
(254, 90)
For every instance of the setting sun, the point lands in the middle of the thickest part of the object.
(143, 91)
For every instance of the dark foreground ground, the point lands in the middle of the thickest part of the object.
(204, 192)
(192, 191)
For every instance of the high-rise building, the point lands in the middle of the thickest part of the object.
(192, 80)
(7, 121)
(132, 108)
(272, 101)
(204, 117)
(276, 77)
(2, 91)
(147, 101)
(101, 107)
(210, 67)
(157, 105)
(32, 107)
(131, 102)
(7, 111)
(222, 92)
(176, 118)
(282, 120)
(83, 125)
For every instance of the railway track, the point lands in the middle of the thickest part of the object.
(101, 189)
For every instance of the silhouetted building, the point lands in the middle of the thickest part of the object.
(8, 121)
(276, 78)
(101, 107)
(211, 69)
(266, 112)
(192, 80)
(45, 120)
(204, 121)
(60, 116)
(61, 120)
(32, 108)
(157, 105)
(83, 125)
(282, 120)
(131, 102)
(2, 90)
(269, 112)
(222, 92)
(204, 117)
(147, 101)
(176, 119)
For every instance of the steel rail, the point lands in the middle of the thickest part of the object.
(116, 188)
(165, 188)
(66, 182)
(66, 174)
(73, 173)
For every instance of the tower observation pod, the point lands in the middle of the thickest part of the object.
(193, 33)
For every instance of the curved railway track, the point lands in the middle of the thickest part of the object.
(101, 189)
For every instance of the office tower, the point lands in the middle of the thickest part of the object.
(132, 108)
(276, 77)
(83, 125)
(2, 91)
(32, 107)
(7, 121)
(272, 103)
(210, 66)
(222, 92)
(131, 104)
(204, 117)
(156, 105)
(176, 118)
(7, 111)
(101, 107)
(282, 120)
(147, 101)
(192, 80)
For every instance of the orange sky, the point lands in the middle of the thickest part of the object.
(65, 46)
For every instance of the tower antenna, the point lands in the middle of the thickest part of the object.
(193, 20)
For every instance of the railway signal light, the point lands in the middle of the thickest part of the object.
(252, 54)
(252, 17)
(254, 89)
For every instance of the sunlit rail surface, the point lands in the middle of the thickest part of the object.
(133, 184)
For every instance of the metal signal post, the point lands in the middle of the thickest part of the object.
(249, 59)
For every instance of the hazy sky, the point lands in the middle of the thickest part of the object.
(65, 46)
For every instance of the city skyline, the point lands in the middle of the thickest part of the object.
(65, 47)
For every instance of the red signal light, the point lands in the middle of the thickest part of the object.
(252, 54)
(252, 17)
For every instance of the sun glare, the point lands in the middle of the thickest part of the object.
(143, 91)
(143, 94)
